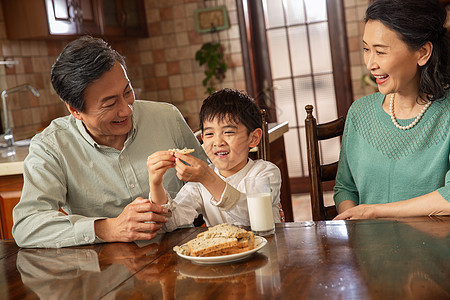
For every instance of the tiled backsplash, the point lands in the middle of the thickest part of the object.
(161, 67)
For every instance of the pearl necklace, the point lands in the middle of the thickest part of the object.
(416, 120)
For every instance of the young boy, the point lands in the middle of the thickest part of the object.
(231, 125)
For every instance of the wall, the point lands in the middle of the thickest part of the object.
(161, 67)
(354, 15)
(35, 58)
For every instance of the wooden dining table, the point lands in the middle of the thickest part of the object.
(358, 259)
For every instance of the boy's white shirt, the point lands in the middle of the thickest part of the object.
(194, 199)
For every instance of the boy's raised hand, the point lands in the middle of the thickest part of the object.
(157, 164)
(199, 171)
(196, 171)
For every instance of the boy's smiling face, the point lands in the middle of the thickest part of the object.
(227, 143)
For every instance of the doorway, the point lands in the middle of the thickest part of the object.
(295, 53)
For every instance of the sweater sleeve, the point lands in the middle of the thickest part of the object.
(345, 187)
(445, 190)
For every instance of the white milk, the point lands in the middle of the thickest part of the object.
(260, 211)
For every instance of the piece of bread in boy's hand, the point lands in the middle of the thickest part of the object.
(182, 151)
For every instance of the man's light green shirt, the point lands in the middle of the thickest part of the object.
(67, 169)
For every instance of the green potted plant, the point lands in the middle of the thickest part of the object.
(211, 55)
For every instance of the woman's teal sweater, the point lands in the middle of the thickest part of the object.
(380, 163)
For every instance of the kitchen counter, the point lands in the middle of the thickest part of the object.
(276, 130)
(12, 165)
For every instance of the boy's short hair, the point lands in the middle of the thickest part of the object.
(231, 104)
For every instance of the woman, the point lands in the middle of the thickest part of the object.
(394, 158)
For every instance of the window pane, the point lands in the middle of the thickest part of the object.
(295, 12)
(299, 50)
(293, 153)
(320, 47)
(273, 10)
(278, 52)
(316, 10)
(326, 98)
(304, 95)
(284, 99)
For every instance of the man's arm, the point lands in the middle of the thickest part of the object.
(39, 223)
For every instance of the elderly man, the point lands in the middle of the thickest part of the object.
(85, 178)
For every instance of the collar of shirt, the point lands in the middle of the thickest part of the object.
(239, 175)
(90, 140)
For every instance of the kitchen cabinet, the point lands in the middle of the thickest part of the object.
(62, 18)
(72, 17)
(123, 18)
(11, 182)
(10, 191)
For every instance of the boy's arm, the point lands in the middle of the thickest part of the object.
(157, 165)
(199, 171)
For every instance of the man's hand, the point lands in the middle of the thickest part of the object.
(133, 223)
(157, 164)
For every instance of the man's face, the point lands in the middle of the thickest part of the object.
(108, 108)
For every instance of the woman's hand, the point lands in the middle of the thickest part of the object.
(362, 211)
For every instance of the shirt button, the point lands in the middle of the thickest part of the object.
(132, 185)
(86, 239)
(58, 245)
(121, 157)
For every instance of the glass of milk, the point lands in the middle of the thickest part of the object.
(259, 201)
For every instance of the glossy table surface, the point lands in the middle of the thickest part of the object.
(372, 259)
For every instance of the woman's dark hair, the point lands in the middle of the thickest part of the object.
(417, 22)
(81, 62)
(233, 105)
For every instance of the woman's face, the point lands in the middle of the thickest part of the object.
(391, 62)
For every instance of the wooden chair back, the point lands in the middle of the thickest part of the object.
(198, 135)
(264, 150)
(263, 147)
(319, 173)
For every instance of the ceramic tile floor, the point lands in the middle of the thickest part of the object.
(301, 204)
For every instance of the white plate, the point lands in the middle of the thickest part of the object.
(259, 243)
